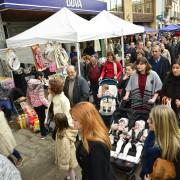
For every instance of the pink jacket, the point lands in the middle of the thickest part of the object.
(35, 93)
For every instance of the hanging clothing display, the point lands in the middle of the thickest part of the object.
(61, 56)
(12, 59)
(38, 58)
(50, 57)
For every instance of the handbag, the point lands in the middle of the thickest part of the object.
(51, 123)
(166, 101)
(163, 170)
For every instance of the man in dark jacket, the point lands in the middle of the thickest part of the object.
(174, 50)
(159, 63)
(76, 87)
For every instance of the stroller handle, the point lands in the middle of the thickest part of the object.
(108, 81)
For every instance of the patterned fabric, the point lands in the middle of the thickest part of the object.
(38, 57)
(153, 85)
(7, 170)
(35, 93)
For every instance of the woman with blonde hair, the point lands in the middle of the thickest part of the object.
(93, 152)
(163, 140)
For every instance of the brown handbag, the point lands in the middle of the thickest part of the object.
(163, 170)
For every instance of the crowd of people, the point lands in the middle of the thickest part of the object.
(151, 77)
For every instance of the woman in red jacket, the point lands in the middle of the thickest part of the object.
(112, 69)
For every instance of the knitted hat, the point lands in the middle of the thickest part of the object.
(141, 123)
(125, 120)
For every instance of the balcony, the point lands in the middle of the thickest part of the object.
(175, 15)
(144, 17)
(168, 3)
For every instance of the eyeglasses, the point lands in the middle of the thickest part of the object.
(71, 72)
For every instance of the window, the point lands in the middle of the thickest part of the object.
(142, 6)
(114, 5)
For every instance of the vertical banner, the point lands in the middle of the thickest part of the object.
(38, 58)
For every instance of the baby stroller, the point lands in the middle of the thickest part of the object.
(107, 94)
(128, 157)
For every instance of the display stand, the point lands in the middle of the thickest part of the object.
(27, 116)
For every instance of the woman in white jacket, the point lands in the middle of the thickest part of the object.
(58, 100)
(7, 141)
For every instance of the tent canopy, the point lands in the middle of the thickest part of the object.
(113, 26)
(67, 27)
(64, 26)
(172, 27)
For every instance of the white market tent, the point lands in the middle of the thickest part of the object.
(113, 26)
(64, 26)
(67, 27)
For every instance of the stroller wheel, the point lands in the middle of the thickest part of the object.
(131, 177)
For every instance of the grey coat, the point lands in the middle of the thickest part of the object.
(153, 85)
(80, 91)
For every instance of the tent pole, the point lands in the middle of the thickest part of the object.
(78, 57)
(144, 38)
(106, 46)
(122, 50)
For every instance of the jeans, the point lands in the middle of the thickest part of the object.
(41, 115)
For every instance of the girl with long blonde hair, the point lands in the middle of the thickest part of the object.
(163, 123)
(167, 132)
(93, 152)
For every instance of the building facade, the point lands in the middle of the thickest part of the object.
(137, 11)
(154, 13)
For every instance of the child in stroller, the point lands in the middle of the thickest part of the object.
(107, 94)
(135, 137)
(127, 145)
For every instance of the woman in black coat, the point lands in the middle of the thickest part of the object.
(171, 87)
(93, 151)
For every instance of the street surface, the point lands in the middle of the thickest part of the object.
(39, 158)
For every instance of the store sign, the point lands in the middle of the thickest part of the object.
(86, 6)
(74, 3)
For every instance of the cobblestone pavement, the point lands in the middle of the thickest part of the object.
(38, 158)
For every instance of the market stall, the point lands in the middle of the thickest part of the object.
(67, 27)
(63, 27)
